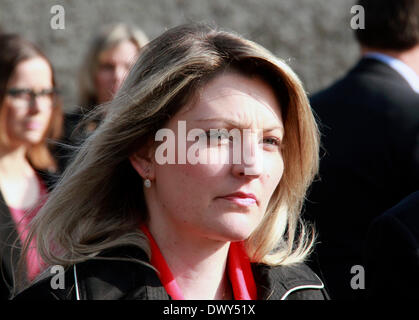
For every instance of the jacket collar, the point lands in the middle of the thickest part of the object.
(402, 68)
(273, 283)
(378, 69)
(140, 276)
(276, 283)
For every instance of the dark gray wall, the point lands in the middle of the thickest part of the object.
(313, 36)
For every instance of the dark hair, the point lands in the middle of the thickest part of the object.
(14, 49)
(389, 24)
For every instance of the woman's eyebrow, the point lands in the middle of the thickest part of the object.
(236, 124)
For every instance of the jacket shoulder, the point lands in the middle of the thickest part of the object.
(115, 275)
(369, 84)
(291, 282)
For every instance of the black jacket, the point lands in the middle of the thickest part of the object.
(392, 270)
(369, 121)
(8, 234)
(128, 280)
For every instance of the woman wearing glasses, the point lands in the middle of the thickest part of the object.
(29, 116)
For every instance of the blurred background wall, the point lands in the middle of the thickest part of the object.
(314, 37)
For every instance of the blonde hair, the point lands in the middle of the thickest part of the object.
(108, 37)
(99, 203)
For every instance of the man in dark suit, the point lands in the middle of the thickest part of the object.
(392, 270)
(370, 137)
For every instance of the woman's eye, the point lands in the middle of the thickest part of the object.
(23, 96)
(20, 94)
(107, 67)
(218, 135)
(271, 141)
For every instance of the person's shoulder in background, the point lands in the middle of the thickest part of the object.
(393, 252)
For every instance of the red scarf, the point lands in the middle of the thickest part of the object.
(238, 264)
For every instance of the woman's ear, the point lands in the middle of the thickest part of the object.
(143, 163)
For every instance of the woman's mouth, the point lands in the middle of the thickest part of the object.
(33, 125)
(241, 198)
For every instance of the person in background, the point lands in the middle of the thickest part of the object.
(30, 115)
(370, 125)
(130, 225)
(392, 269)
(109, 59)
(110, 56)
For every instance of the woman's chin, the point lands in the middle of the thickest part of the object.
(33, 138)
(235, 231)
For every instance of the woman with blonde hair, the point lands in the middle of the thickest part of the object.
(110, 56)
(192, 186)
(30, 116)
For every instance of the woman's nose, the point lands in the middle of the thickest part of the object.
(251, 160)
(34, 105)
(119, 74)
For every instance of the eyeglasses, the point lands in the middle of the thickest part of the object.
(29, 95)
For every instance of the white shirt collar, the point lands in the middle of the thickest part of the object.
(403, 69)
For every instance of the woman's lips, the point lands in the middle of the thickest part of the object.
(241, 199)
(33, 125)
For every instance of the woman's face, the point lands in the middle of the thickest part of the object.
(113, 66)
(226, 199)
(27, 116)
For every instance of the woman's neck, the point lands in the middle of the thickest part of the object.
(198, 265)
(19, 184)
(13, 162)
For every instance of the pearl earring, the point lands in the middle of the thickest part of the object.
(147, 183)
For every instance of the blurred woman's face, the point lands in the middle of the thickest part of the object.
(226, 199)
(29, 102)
(113, 66)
